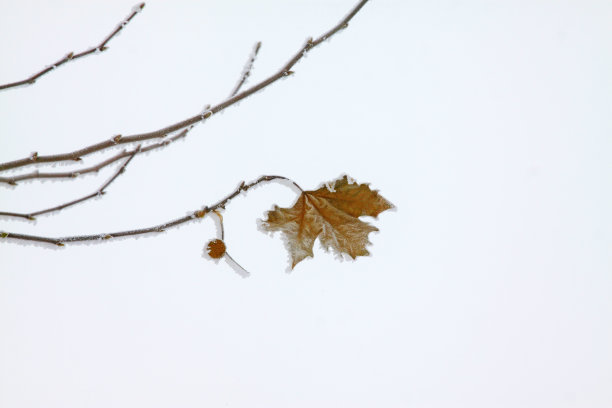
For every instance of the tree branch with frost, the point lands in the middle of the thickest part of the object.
(98, 193)
(246, 72)
(76, 173)
(330, 213)
(130, 154)
(193, 216)
(283, 72)
(71, 56)
(96, 168)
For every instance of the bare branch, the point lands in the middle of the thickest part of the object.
(77, 173)
(246, 71)
(99, 192)
(283, 72)
(72, 56)
(157, 228)
(65, 174)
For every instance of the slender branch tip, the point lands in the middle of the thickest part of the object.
(71, 56)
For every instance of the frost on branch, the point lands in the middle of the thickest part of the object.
(332, 214)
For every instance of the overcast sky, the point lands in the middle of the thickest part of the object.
(487, 124)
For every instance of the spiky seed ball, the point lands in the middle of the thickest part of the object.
(216, 248)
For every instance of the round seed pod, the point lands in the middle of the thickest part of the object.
(216, 248)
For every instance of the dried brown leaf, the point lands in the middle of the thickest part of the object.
(330, 213)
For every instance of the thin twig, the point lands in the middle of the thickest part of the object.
(72, 56)
(283, 72)
(246, 71)
(99, 192)
(77, 173)
(194, 215)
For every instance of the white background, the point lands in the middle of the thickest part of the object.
(486, 123)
